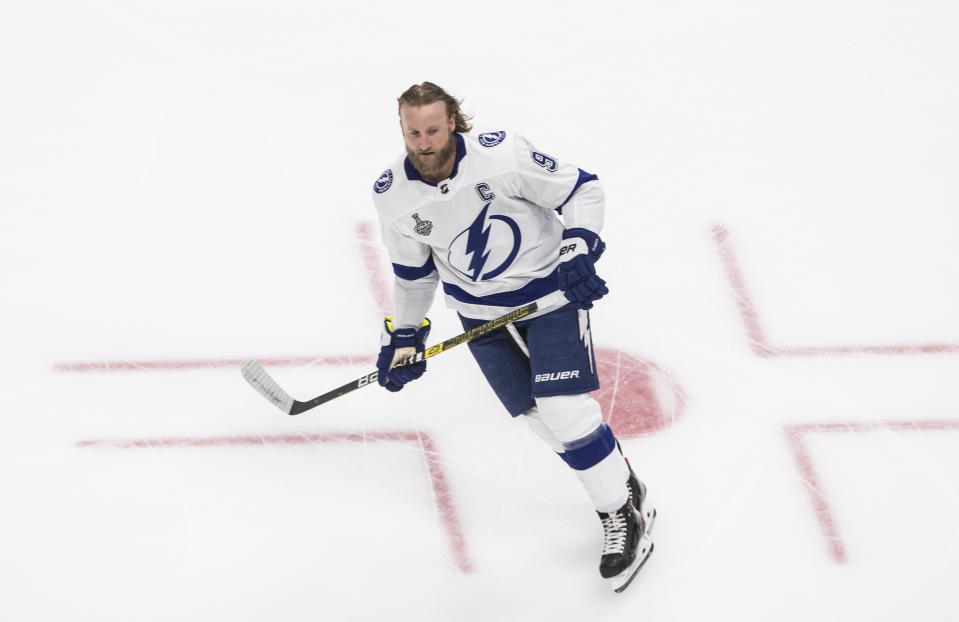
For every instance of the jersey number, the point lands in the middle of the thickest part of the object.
(544, 160)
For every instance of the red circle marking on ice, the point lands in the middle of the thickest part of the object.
(637, 396)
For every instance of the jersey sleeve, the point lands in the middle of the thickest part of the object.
(554, 184)
(412, 300)
(416, 278)
(411, 260)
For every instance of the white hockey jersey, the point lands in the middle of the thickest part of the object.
(490, 233)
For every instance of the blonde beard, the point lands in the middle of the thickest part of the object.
(430, 169)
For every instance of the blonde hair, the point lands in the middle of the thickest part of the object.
(428, 93)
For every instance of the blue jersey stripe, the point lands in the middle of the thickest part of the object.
(583, 178)
(537, 288)
(412, 273)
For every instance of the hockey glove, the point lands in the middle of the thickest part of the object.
(396, 346)
(577, 274)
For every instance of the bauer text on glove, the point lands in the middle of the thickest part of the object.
(578, 253)
(397, 344)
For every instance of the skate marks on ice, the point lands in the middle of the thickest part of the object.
(882, 434)
(753, 323)
(440, 491)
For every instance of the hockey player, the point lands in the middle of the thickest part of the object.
(500, 224)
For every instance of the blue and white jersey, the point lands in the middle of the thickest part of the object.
(490, 233)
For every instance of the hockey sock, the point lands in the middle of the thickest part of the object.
(539, 428)
(589, 446)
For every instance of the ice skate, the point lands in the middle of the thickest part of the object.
(637, 490)
(637, 494)
(627, 544)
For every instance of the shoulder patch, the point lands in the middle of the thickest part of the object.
(383, 183)
(491, 139)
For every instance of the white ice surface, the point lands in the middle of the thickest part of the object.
(183, 181)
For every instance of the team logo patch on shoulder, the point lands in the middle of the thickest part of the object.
(491, 139)
(384, 182)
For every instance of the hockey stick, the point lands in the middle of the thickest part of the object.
(260, 380)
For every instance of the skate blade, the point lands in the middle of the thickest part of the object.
(645, 548)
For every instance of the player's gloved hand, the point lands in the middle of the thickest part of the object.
(397, 345)
(577, 274)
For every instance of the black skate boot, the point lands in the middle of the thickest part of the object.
(626, 546)
(637, 490)
(637, 494)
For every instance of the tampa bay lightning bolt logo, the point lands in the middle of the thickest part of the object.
(470, 252)
(491, 139)
(384, 182)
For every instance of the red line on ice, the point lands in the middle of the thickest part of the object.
(372, 261)
(795, 436)
(439, 486)
(753, 324)
(824, 515)
(747, 311)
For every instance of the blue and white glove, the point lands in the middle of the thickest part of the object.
(396, 346)
(577, 275)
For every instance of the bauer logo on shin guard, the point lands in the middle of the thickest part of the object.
(557, 375)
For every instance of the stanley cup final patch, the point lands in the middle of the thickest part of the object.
(423, 227)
